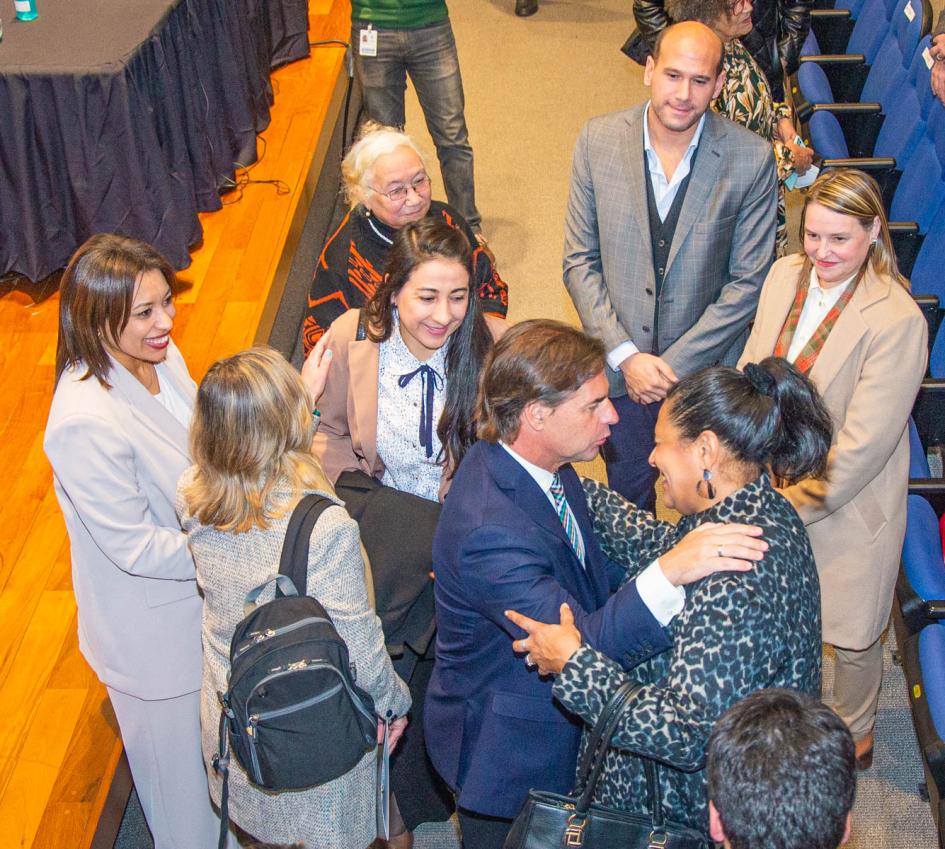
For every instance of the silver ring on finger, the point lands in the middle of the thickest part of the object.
(529, 662)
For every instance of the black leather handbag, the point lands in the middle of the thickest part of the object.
(551, 820)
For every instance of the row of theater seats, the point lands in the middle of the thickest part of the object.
(919, 616)
(864, 100)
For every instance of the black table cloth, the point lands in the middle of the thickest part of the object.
(128, 116)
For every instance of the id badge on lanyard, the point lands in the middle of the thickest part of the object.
(368, 42)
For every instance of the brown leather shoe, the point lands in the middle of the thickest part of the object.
(864, 752)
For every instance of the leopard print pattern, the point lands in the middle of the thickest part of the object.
(738, 632)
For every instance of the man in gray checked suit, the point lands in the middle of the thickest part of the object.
(669, 234)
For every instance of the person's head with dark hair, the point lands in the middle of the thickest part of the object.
(728, 19)
(781, 775)
(115, 302)
(429, 291)
(720, 428)
(544, 393)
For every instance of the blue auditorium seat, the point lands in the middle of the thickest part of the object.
(932, 661)
(891, 64)
(871, 67)
(922, 561)
(906, 110)
(918, 462)
(937, 357)
(872, 25)
(921, 189)
(923, 664)
(831, 23)
(928, 273)
(930, 722)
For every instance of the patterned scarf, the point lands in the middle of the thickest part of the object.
(805, 360)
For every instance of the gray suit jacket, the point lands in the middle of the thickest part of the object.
(721, 252)
(117, 455)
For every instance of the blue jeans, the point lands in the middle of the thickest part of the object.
(428, 54)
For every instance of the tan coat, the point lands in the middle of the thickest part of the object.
(346, 439)
(868, 374)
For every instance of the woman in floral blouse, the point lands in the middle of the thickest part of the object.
(746, 95)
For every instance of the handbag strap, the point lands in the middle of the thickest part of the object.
(654, 792)
(595, 754)
(361, 333)
(221, 764)
(592, 763)
(294, 560)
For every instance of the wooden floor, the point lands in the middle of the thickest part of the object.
(59, 746)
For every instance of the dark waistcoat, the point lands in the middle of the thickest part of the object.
(661, 238)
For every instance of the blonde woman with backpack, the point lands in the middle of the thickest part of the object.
(250, 442)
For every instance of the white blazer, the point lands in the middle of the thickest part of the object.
(116, 456)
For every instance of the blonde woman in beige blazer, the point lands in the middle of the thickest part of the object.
(868, 371)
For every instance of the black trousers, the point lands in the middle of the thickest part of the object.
(481, 831)
(422, 795)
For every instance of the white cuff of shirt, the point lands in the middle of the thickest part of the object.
(620, 353)
(661, 598)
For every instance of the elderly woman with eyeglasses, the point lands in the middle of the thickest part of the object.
(387, 184)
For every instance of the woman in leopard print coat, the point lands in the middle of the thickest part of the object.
(738, 631)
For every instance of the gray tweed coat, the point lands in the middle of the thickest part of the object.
(341, 813)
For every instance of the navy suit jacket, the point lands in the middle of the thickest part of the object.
(492, 728)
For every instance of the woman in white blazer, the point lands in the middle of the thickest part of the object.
(117, 441)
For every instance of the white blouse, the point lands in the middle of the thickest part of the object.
(819, 302)
(407, 466)
(172, 400)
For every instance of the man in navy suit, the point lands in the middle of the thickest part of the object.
(509, 539)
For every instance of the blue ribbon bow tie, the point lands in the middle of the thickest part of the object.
(430, 380)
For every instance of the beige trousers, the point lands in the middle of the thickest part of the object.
(858, 677)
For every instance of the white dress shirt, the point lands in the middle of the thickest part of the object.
(661, 598)
(664, 193)
(818, 303)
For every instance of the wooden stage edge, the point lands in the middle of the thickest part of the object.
(64, 779)
(297, 222)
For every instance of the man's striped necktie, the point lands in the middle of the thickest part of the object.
(567, 517)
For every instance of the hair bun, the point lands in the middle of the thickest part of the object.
(761, 379)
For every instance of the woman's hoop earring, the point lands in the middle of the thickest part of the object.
(709, 488)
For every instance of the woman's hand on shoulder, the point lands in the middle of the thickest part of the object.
(713, 547)
(548, 646)
(315, 369)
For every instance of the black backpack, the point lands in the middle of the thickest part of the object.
(293, 715)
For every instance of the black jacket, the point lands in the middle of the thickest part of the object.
(780, 27)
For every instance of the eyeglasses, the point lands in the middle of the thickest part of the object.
(399, 194)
